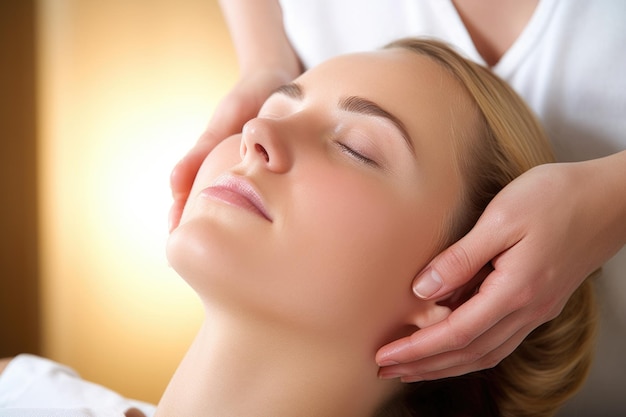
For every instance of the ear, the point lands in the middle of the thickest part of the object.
(466, 291)
(427, 313)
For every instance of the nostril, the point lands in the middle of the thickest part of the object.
(260, 149)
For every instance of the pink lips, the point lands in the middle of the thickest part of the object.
(236, 191)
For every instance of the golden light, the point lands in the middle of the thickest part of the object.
(125, 88)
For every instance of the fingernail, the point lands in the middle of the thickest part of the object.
(388, 362)
(428, 283)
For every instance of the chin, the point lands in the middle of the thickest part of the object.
(195, 252)
(207, 253)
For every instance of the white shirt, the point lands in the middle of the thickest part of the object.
(31, 386)
(568, 63)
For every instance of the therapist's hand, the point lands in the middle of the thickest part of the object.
(543, 234)
(241, 104)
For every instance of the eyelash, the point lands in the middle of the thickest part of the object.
(356, 155)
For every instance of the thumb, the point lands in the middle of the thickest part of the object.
(459, 264)
(184, 173)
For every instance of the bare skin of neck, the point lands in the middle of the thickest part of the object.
(494, 25)
(247, 369)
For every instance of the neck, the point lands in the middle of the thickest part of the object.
(248, 369)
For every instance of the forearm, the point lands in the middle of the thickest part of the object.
(259, 37)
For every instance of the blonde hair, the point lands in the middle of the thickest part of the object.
(552, 362)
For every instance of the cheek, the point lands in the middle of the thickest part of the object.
(364, 243)
(360, 215)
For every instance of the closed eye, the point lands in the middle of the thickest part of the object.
(356, 155)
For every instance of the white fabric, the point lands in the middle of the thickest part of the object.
(31, 386)
(569, 64)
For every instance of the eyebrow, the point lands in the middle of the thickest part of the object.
(353, 104)
(362, 105)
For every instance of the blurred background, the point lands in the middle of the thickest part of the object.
(98, 101)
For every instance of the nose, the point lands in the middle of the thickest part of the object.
(262, 142)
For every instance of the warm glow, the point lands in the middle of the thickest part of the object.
(125, 90)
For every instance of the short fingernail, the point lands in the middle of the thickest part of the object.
(428, 283)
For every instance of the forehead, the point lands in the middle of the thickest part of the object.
(389, 73)
(413, 87)
(394, 63)
(425, 97)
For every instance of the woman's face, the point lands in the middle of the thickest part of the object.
(323, 210)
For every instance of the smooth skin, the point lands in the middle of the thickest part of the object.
(354, 181)
(523, 231)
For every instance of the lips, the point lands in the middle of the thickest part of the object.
(238, 192)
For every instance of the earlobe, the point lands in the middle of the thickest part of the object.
(418, 315)
(427, 313)
(466, 291)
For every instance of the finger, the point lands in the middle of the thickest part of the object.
(175, 214)
(465, 324)
(484, 352)
(182, 178)
(488, 361)
(459, 263)
(185, 171)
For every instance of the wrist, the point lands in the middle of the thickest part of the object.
(604, 180)
(274, 74)
(617, 183)
(284, 65)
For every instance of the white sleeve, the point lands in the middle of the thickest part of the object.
(30, 382)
